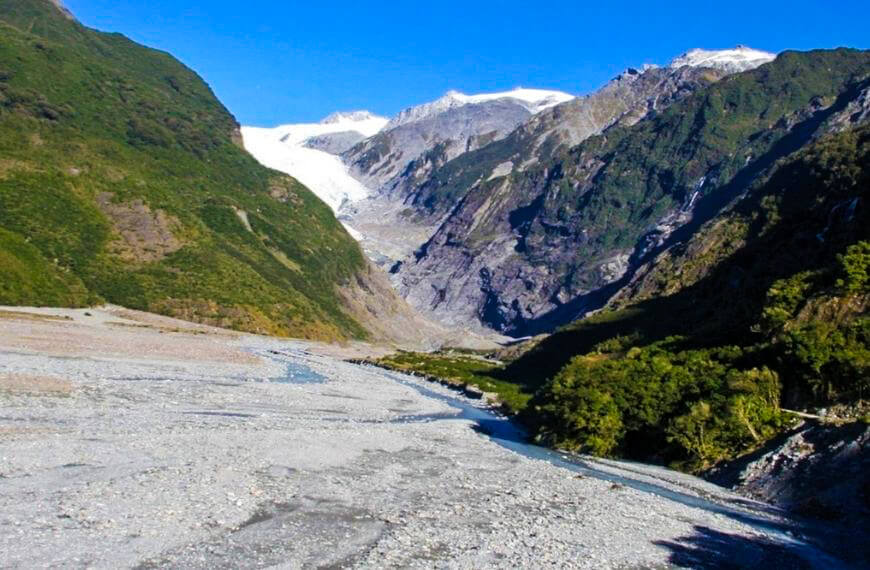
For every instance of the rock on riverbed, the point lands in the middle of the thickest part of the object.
(128, 440)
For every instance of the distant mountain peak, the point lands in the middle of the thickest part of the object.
(349, 117)
(735, 60)
(534, 100)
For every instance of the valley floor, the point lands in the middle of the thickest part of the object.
(129, 440)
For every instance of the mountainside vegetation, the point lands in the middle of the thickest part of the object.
(535, 249)
(779, 319)
(122, 179)
(764, 307)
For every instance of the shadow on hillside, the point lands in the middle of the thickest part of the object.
(708, 207)
(722, 307)
(712, 549)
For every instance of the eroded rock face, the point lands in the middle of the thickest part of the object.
(856, 112)
(143, 235)
(818, 471)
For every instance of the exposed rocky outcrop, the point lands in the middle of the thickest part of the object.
(382, 158)
(856, 112)
(142, 235)
(817, 471)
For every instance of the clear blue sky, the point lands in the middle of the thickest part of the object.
(276, 62)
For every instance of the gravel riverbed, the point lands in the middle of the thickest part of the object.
(129, 440)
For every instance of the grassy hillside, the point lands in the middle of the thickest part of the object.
(122, 179)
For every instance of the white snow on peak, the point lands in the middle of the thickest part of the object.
(537, 99)
(740, 58)
(534, 100)
(282, 148)
(362, 122)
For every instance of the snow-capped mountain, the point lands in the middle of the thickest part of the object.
(287, 149)
(533, 100)
(441, 130)
(741, 58)
(363, 122)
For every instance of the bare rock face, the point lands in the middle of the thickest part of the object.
(142, 235)
(856, 112)
(817, 471)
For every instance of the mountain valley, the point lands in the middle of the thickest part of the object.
(626, 327)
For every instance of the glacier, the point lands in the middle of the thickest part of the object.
(283, 148)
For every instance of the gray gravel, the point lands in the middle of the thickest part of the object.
(158, 462)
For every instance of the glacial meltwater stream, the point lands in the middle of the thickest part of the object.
(507, 434)
(798, 537)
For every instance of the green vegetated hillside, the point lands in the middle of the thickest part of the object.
(122, 179)
(764, 307)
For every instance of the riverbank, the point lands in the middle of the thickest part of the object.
(129, 440)
(471, 376)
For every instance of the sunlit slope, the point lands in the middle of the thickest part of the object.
(122, 179)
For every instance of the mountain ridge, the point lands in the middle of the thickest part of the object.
(536, 202)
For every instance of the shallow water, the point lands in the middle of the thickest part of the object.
(791, 534)
(295, 372)
(794, 536)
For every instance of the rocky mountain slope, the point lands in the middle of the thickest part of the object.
(413, 143)
(408, 209)
(523, 250)
(454, 124)
(122, 179)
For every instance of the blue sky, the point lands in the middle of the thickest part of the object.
(297, 61)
